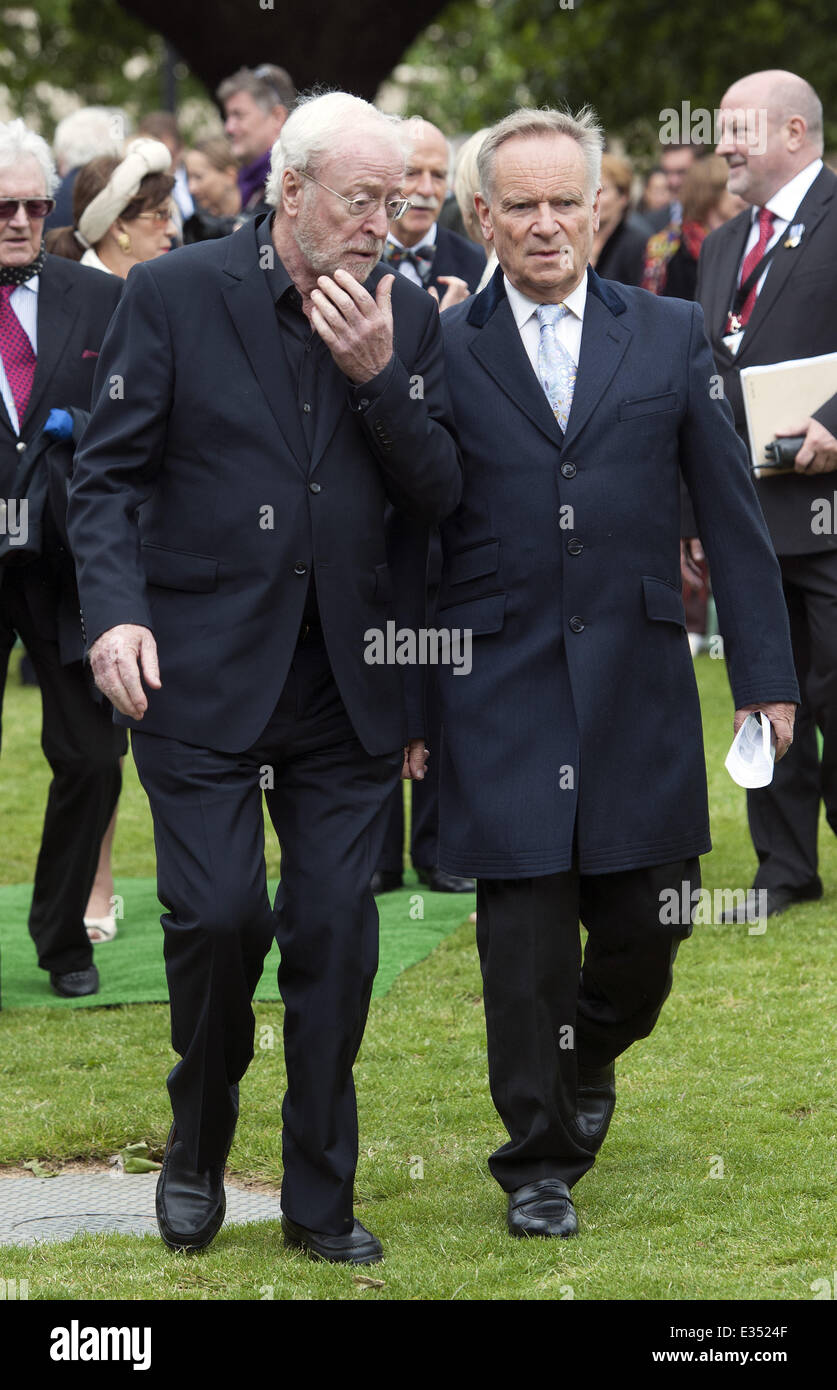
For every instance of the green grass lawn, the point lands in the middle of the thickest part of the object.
(716, 1180)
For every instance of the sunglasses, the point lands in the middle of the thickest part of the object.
(36, 208)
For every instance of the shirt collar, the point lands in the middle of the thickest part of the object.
(787, 200)
(523, 308)
(429, 239)
(278, 279)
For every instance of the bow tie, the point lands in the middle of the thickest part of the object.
(421, 258)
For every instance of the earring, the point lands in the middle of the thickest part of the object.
(123, 242)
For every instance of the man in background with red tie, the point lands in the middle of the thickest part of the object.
(53, 316)
(767, 282)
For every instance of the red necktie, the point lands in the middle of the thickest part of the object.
(16, 350)
(752, 259)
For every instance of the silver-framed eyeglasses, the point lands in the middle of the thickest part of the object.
(361, 205)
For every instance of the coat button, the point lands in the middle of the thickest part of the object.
(574, 545)
(307, 408)
(576, 624)
(300, 568)
(20, 446)
(314, 487)
(568, 470)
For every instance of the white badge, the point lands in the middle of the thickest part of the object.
(732, 341)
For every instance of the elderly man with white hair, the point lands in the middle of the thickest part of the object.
(227, 518)
(53, 316)
(85, 134)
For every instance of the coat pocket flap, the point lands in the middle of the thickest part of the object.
(663, 603)
(647, 405)
(179, 569)
(478, 615)
(474, 562)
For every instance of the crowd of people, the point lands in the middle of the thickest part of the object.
(338, 257)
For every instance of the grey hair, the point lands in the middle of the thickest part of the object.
(18, 142)
(87, 133)
(313, 127)
(466, 183)
(583, 127)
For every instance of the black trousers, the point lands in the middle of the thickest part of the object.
(82, 746)
(784, 816)
(424, 819)
(546, 1014)
(325, 796)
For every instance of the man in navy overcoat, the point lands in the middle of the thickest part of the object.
(573, 778)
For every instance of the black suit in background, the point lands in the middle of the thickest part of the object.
(39, 603)
(234, 504)
(622, 257)
(455, 255)
(795, 315)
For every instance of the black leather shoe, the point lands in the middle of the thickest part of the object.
(359, 1247)
(385, 880)
(774, 901)
(191, 1205)
(543, 1208)
(595, 1103)
(440, 882)
(76, 982)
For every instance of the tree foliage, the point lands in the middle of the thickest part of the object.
(482, 58)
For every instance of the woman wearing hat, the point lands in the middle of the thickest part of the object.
(122, 211)
(122, 215)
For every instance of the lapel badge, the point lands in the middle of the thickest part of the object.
(794, 235)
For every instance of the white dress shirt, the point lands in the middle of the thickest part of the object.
(24, 301)
(568, 328)
(406, 268)
(783, 205)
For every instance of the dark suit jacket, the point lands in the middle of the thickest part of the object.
(456, 255)
(795, 315)
(194, 510)
(581, 713)
(75, 304)
(623, 255)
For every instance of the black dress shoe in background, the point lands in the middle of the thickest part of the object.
(75, 983)
(358, 1247)
(191, 1204)
(595, 1103)
(543, 1208)
(775, 900)
(385, 881)
(440, 882)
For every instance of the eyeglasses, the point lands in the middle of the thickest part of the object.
(159, 215)
(35, 208)
(361, 205)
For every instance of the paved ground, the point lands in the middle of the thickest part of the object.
(40, 1209)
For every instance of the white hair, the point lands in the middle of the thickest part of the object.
(87, 133)
(313, 127)
(18, 142)
(584, 128)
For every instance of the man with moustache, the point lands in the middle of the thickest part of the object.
(266, 421)
(573, 783)
(442, 261)
(772, 139)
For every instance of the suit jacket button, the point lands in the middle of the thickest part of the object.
(574, 545)
(568, 470)
(300, 568)
(576, 624)
(20, 446)
(314, 487)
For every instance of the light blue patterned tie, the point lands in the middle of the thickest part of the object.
(556, 368)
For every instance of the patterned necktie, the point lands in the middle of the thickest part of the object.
(752, 259)
(556, 368)
(16, 350)
(421, 257)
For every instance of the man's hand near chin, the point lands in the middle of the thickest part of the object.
(118, 658)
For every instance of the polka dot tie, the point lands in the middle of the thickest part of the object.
(16, 350)
(556, 368)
